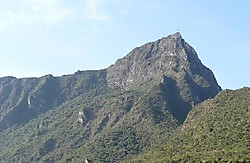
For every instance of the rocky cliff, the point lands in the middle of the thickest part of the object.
(170, 56)
(175, 64)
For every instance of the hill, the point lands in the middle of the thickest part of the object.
(216, 130)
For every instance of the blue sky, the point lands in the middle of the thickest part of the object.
(59, 37)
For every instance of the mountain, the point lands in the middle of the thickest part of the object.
(173, 63)
(104, 115)
(216, 130)
(24, 99)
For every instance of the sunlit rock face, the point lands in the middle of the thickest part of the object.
(170, 56)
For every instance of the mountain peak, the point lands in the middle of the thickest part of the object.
(173, 38)
(172, 43)
(176, 35)
(170, 56)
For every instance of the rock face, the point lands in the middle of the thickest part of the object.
(131, 105)
(172, 61)
(23, 99)
(170, 56)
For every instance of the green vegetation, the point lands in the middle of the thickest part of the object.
(217, 130)
(94, 123)
(105, 115)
